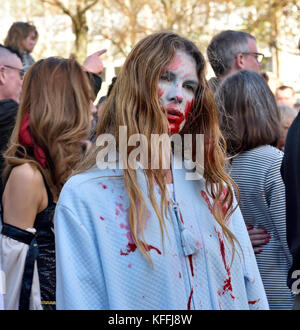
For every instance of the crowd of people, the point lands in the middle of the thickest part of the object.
(75, 235)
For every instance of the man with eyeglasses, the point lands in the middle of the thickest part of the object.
(11, 79)
(231, 51)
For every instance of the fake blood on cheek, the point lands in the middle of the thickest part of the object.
(175, 123)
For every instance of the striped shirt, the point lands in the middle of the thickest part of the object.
(257, 174)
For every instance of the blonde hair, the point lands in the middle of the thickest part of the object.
(56, 93)
(17, 33)
(134, 103)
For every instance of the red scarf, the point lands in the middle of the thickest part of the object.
(25, 138)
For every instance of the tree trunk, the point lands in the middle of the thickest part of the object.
(81, 37)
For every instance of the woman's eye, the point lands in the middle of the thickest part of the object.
(190, 88)
(165, 77)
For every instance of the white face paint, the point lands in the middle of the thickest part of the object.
(177, 88)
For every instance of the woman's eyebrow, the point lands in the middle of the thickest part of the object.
(170, 74)
(192, 82)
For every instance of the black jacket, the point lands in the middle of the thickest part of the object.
(290, 172)
(95, 82)
(8, 113)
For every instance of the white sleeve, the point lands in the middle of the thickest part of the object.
(13, 255)
(80, 280)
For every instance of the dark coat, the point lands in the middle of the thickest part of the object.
(290, 172)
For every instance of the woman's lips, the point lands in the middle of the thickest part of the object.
(174, 115)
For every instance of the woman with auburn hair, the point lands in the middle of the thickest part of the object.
(52, 124)
(250, 123)
(142, 238)
(23, 37)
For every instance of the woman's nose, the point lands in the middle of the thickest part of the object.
(179, 98)
(176, 94)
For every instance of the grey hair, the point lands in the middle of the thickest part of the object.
(7, 52)
(224, 47)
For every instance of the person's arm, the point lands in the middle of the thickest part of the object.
(93, 66)
(79, 276)
(24, 197)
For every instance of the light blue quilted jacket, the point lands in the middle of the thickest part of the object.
(99, 266)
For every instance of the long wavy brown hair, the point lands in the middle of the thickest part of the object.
(17, 33)
(57, 94)
(134, 103)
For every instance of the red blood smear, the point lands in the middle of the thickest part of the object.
(131, 247)
(204, 195)
(174, 123)
(102, 185)
(175, 64)
(120, 206)
(101, 218)
(124, 226)
(150, 247)
(222, 249)
(220, 305)
(118, 212)
(180, 216)
(190, 299)
(253, 302)
(160, 92)
(227, 286)
(179, 275)
(191, 264)
(188, 108)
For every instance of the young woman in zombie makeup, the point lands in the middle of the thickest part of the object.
(148, 238)
(23, 37)
(52, 122)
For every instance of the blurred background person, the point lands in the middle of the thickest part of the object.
(287, 116)
(11, 79)
(231, 51)
(100, 105)
(286, 95)
(53, 123)
(265, 76)
(23, 37)
(250, 123)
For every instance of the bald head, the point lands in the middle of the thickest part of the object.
(11, 78)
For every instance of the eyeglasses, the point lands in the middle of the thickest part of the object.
(258, 56)
(21, 71)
